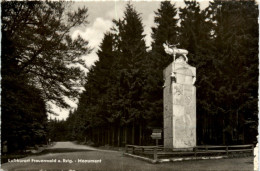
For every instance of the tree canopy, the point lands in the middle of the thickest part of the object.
(40, 64)
(123, 97)
(42, 49)
(124, 94)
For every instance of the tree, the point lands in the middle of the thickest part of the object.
(236, 51)
(94, 111)
(195, 31)
(195, 35)
(39, 65)
(23, 117)
(42, 50)
(131, 53)
(58, 130)
(113, 91)
(166, 29)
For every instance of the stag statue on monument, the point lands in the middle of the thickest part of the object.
(173, 50)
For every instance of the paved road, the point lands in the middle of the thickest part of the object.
(115, 161)
(70, 145)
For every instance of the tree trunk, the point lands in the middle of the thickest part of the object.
(113, 136)
(125, 135)
(133, 134)
(91, 134)
(140, 134)
(224, 138)
(118, 136)
(98, 140)
(108, 136)
(105, 136)
(102, 136)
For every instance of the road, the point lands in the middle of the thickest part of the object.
(70, 145)
(78, 157)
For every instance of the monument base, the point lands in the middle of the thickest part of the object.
(182, 149)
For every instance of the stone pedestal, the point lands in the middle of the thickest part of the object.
(179, 106)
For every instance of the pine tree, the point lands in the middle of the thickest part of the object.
(194, 31)
(105, 77)
(236, 51)
(95, 109)
(195, 36)
(24, 116)
(166, 28)
(131, 53)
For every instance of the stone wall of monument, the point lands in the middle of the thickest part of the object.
(168, 109)
(179, 106)
(184, 116)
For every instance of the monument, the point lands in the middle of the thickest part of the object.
(179, 114)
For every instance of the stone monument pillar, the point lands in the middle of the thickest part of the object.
(179, 114)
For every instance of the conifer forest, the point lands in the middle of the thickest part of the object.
(122, 100)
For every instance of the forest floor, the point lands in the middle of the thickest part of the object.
(71, 156)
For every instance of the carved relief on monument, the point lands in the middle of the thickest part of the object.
(188, 94)
(189, 110)
(184, 117)
(185, 133)
(187, 100)
(178, 94)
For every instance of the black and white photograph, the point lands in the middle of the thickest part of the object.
(129, 85)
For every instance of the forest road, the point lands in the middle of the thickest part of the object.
(69, 156)
(70, 145)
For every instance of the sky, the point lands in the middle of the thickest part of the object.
(100, 16)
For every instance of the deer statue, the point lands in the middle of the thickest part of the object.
(173, 50)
